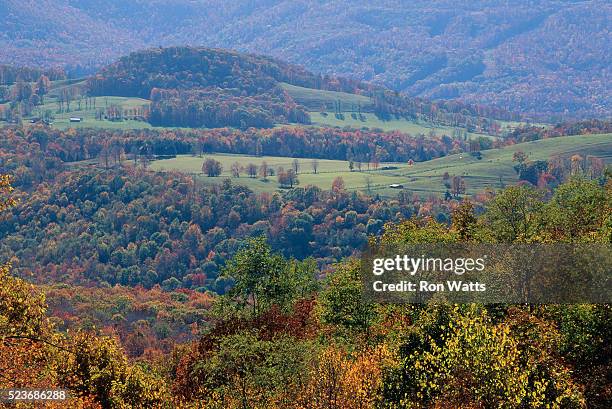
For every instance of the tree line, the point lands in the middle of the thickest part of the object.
(216, 108)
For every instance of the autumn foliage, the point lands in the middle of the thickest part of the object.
(284, 334)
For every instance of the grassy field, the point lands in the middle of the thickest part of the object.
(371, 121)
(327, 171)
(62, 120)
(494, 170)
(315, 99)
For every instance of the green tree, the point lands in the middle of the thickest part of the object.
(42, 87)
(262, 278)
(246, 372)
(514, 213)
(459, 355)
(578, 208)
(464, 221)
(341, 303)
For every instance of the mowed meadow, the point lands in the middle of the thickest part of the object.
(326, 171)
(494, 170)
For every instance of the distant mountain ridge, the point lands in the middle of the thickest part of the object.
(545, 58)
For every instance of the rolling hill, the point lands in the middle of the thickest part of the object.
(204, 87)
(545, 58)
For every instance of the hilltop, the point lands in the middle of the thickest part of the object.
(546, 58)
(195, 87)
(186, 83)
(196, 67)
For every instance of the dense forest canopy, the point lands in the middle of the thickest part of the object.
(281, 339)
(10, 74)
(200, 87)
(189, 68)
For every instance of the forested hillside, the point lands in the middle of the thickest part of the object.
(542, 58)
(201, 87)
(281, 339)
(147, 228)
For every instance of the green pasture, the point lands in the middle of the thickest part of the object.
(494, 170)
(62, 119)
(315, 99)
(327, 170)
(372, 121)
